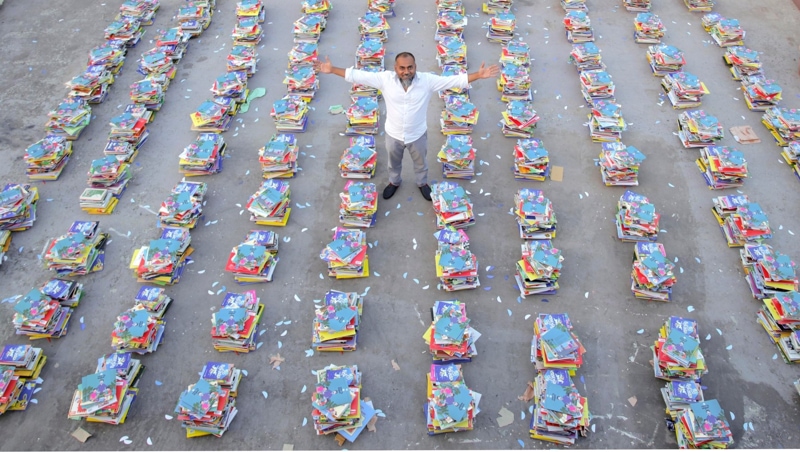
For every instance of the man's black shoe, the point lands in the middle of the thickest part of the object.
(388, 192)
(426, 192)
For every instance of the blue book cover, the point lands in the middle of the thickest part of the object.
(87, 228)
(217, 371)
(14, 354)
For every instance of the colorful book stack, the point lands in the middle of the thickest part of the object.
(231, 86)
(20, 366)
(534, 214)
(678, 395)
(251, 8)
(501, 27)
(780, 317)
(451, 205)
(78, 252)
(184, 206)
(38, 316)
(703, 426)
(359, 160)
(519, 119)
(303, 54)
(242, 58)
(586, 57)
(515, 51)
(665, 59)
(69, 118)
(514, 82)
(560, 413)
(619, 164)
(126, 29)
(162, 261)
(459, 116)
(450, 337)
(131, 125)
(98, 201)
(138, 330)
(290, 114)
(722, 167)
(362, 116)
(195, 17)
(743, 62)
(768, 272)
(783, 124)
(652, 276)
(109, 55)
(92, 85)
(725, 32)
(578, 26)
(637, 5)
(247, 30)
(370, 53)
(538, 271)
(531, 160)
(156, 62)
(109, 174)
(153, 299)
(726, 205)
(596, 85)
(322, 7)
(278, 157)
(451, 50)
(336, 322)
(698, 129)
(18, 206)
(676, 353)
(254, 260)
(346, 255)
(450, 23)
(554, 345)
(269, 206)
(5, 244)
(65, 292)
(636, 218)
(457, 157)
(149, 92)
(456, 266)
(174, 42)
(372, 25)
(699, 5)
(235, 326)
(497, 6)
(212, 116)
(574, 5)
(359, 204)
(208, 406)
(106, 395)
(760, 93)
(384, 7)
(204, 156)
(791, 153)
(47, 158)
(308, 28)
(648, 29)
(683, 89)
(451, 406)
(747, 223)
(337, 405)
(301, 81)
(606, 123)
(121, 150)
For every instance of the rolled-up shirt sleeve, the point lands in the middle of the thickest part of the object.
(372, 79)
(439, 83)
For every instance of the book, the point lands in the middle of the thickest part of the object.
(539, 269)
(254, 260)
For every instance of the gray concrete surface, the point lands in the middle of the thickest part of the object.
(46, 43)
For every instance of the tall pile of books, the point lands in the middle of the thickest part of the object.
(153, 299)
(251, 8)
(121, 150)
(235, 326)
(337, 405)
(308, 28)
(619, 164)
(519, 119)
(231, 85)
(337, 321)
(92, 85)
(290, 114)
(783, 124)
(534, 214)
(501, 27)
(722, 167)
(162, 261)
(149, 92)
(346, 255)
(514, 82)
(586, 57)
(255, 259)
(20, 366)
(322, 7)
(362, 116)
(208, 406)
(554, 345)
(450, 337)
(47, 158)
(560, 414)
(451, 205)
(156, 62)
(109, 55)
(110, 174)
(768, 272)
(760, 93)
(451, 406)
(69, 118)
(359, 204)
(247, 31)
(596, 85)
(212, 116)
(652, 276)
(683, 89)
(18, 206)
(791, 153)
(679, 394)
(278, 157)
(370, 53)
(451, 50)
(301, 81)
(648, 29)
(780, 317)
(106, 395)
(195, 17)
(703, 426)
(746, 223)
(665, 59)
(459, 116)
(184, 206)
(456, 266)
(174, 42)
(726, 32)
(450, 23)
(38, 316)
(636, 218)
(497, 6)
(303, 53)
(699, 5)
(574, 5)
(78, 252)
(578, 27)
(242, 58)
(743, 62)
(384, 7)
(531, 160)
(696, 129)
(726, 205)
(538, 271)
(204, 156)
(139, 330)
(269, 206)
(637, 5)
(676, 352)
(606, 123)
(126, 29)
(458, 157)
(373, 25)
(359, 159)
(515, 51)
(131, 125)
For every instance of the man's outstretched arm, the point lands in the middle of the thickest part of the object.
(484, 72)
(352, 75)
(326, 67)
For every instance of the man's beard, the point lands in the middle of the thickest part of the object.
(406, 82)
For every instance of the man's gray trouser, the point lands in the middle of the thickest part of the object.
(418, 150)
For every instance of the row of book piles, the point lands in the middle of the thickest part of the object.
(722, 167)
(336, 322)
(740, 220)
(346, 254)
(163, 260)
(560, 412)
(636, 219)
(235, 326)
(208, 406)
(648, 28)
(451, 406)
(79, 251)
(20, 366)
(141, 328)
(106, 395)
(254, 260)
(539, 268)
(642, 6)
(652, 276)
(337, 405)
(514, 84)
(45, 312)
(456, 266)
(677, 358)
(697, 129)
(619, 164)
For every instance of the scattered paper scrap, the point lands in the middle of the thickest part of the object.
(744, 135)
(632, 400)
(395, 365)
(276, 361)
(557, 173)
(81, 435)
(506, 417)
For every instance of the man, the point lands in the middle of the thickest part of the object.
(407, 95)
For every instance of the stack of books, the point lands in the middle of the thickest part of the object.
(195, 17)
(138, 330)
(67, 293)
(453, 69)
(722, 167)
(698, 129)
(743, 62)
(106, 395)
(204, 156)
(231, 85)
(783, 124)
(459, 116)
(109, 173)
(247, 30)
(303, 53)
(636, 218)
(519, 119)
(301, 81)
(578, 26)
(727, 32)
(451, 406)
(373, 25)
(124, 29)
(78, 252)
(47, 158)
(699, 5)
(456, 266)
(69, 118)
(538, 271)
(254, 260)
(370, 52)
(515, 82)
(586, 57)
(269, 206)
(791, 153)
(501, 27)
(359, 204)
(322, 7)
(20, 366)
(619, 164)
(162, 260)
(451, 205)
(337, 406)
(652, 276)
(458, 157)
(760, 93)
(149, 92)
(535, 215)
(278, 157)
(92, 85)
(110, 55)
(359, 160)
(676, 353)
(596, 85)
(637, 5)
(497, 6)
(648, 29)
(703, 425)
(531, 160)
(18, 206)
(251, 8)
(450, 337)
(554, 345)
(173, 42)
(515, 51)
(242, 58)
(780, 317)
(38, 316)
(747, 223)
(211, 116)
(451, 50)
(5, 244)
(308, 28)
(362, 116)
(98, 201)
(574, 5)
(665, 59)
(184, 206)
(560, 414)
(768, 272)
(208, 406)
(290, 114)
(336, 322)
(365, 90)
(450, 23)
(153, 299)
(131, 125)
(683, 89)
(235, 326)
(726, 205)
(384, 7)
(121, 150)
(678, 395)
(346, 255)
(606, 123)
(155, 62)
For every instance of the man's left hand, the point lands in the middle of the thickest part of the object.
(488, 72)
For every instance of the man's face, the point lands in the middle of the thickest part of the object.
(405, 68)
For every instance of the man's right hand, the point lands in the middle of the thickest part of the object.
(324, 67)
